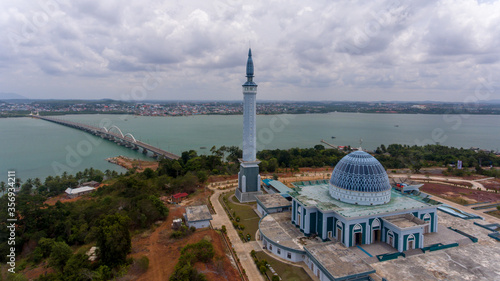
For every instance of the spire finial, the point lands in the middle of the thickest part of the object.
(249, 64)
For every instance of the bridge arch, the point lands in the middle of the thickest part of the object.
(115, 127)
(131, 136)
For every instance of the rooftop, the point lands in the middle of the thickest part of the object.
(281, 187)
(404, 221)
(270, 201)
(277, 227)
(338, 260)
(78, 190)
(198, 213)
(319, 196)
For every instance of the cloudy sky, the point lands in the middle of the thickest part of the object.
(302, 50)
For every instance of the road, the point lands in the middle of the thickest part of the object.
(242, 249)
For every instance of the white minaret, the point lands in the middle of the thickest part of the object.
(248, 177)
(249, 113)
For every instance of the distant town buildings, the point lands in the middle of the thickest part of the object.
(186, 108)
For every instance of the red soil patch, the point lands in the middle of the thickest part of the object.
(163, 252)
(129, 163)
(491, 184)
(35, 272)
(453, 192)
(64, 199)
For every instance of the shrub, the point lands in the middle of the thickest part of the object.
(263, 269)
(143, 264)
(275, 278)
(60, 254)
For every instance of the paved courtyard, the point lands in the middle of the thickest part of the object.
(469, 261)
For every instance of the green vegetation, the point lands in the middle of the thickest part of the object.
(249, 221)
(183, 232)
(113, 239)
(130, 202)
(285, 271)
(202, 251)
(294, 158)
(416, 157)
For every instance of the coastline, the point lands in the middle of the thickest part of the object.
(130, 163)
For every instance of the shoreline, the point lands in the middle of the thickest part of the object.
(131, 163)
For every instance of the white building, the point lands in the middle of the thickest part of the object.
(272, 203)
(75, 192)
(198, 216)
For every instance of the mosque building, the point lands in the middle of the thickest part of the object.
(357, 206)
(319, 221)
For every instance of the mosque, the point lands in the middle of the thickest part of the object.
(357, 206)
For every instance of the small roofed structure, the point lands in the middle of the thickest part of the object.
(91, 183)
(176, 224)
(405, 231)
(75, 192)
(274, 186)
(198, 216)
(272, 203)
(177, 198)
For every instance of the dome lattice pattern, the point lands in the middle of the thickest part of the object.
(359, 171)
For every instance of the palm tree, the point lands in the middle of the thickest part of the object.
(3, 186)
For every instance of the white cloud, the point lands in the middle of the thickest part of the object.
(322, 50)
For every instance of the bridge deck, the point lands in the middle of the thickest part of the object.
(101, 133)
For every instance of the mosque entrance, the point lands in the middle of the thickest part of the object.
(376, 236)
(357, 238)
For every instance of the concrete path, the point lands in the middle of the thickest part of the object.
(475, 183)
(485, 179)
(487, 218)
(242, 249)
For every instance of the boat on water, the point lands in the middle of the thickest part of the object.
(396, 126)
(333, 137)
(203, 147)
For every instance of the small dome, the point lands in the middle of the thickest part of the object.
(359, 178)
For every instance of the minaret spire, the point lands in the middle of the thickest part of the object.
(249, 66)
(248, 177)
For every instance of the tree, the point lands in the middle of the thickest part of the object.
(202, 176)
(177, 167)
(77, 268)
(148, 173)
(113, 239)
(60, 254)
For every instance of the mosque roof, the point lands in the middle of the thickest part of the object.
(359, 171)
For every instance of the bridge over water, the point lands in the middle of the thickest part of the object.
(127, 140)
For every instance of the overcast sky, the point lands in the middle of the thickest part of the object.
(302, 50)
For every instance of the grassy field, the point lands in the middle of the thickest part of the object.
(285, 271)
(247, 215)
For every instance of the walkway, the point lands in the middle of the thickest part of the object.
(475, 183)
(242, 249)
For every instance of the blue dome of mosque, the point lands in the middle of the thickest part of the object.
(359, 171)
